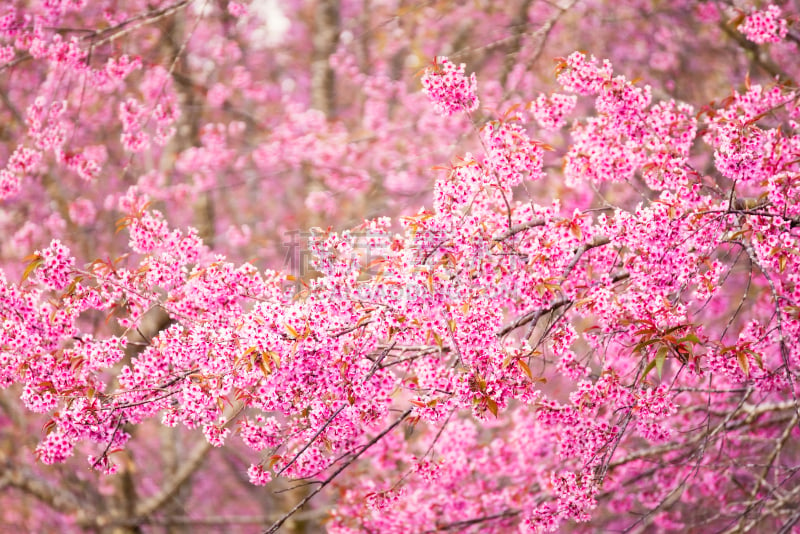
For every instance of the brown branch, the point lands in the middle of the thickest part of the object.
(277, 524)
(757, 55)
(223, 521)
(520, 25)
(325, 39)
(312, 440)
(55, 497)
(536, 314)
(193, 462)
(517, 228)
(107, 35)
(458, 525)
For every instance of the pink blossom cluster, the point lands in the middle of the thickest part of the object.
(551, 111)
(581, 74)
(448, 87)
(511, 154)
(597, 330)
(56, 265)
(330, 364)
(765, 26)
(21, 163)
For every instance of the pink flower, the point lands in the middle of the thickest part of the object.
(765, 26)
(258, 476)
(449, 88)
(551, 111)
(56, 265)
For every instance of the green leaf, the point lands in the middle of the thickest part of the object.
(648, 368)
(643, 331)
(691, 337)
(656, 363)
(643, 344)
(661, 356)
(35, 263)
(674, 328)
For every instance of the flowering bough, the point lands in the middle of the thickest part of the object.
(627, 360)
